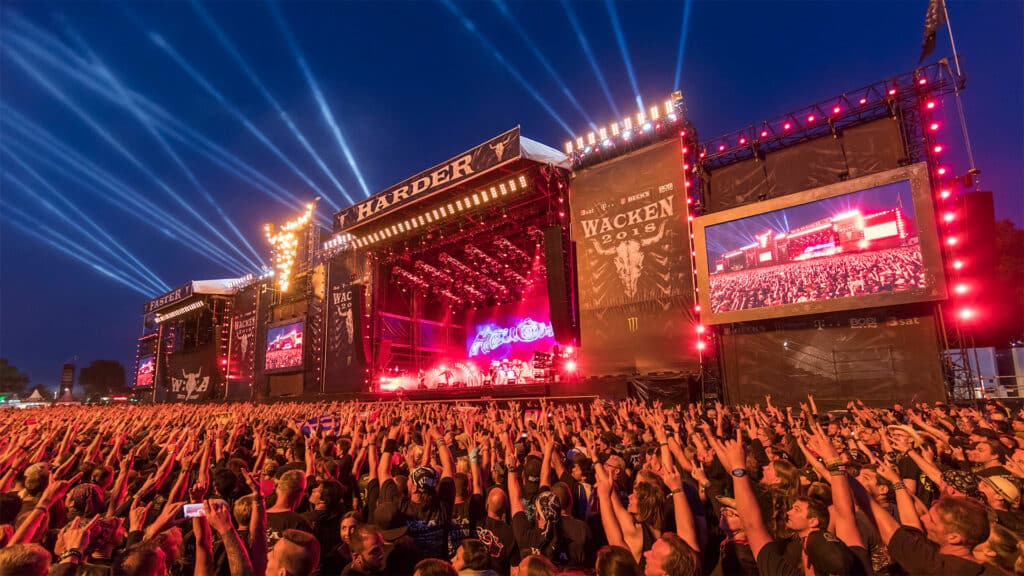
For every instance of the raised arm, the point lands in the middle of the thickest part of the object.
(686, 527)
(842, 497)
(746, 500)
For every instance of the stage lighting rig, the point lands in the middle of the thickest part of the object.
(652, 124)
(286, 244)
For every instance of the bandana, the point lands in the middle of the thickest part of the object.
(425, 478)
(964, 482)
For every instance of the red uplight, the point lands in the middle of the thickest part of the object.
(922, 81)
(958, 264)
(937, 149)
(687, 183)
(948, 216)
(701, 345)
(810, 118)
(700, 328)
(945, 194)
(942, 171)
(960, 288)
(951, 241)
(721, 147)
(933, 126)
(863, 101)
(569, 349)
(966, 313)
(702, 154)
(787, 126)
(930, 105)
(764, 133)
(697, 308)
(561, 214)
(682, 132)
(686, 150)
(689, 200)
(837, 110)
(892, 92)
(743, 141)
(690, 218)
(570, 366)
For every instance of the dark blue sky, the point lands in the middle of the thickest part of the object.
(408, 85)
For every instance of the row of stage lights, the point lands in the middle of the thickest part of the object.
(285, 244)
(646, 123)
(160, 318)
(471, 201)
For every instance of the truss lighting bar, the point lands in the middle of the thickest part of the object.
(434, 215)
(654, 119)
(161, 318)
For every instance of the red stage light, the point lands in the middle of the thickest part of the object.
(689, 200)
(682, 133)
(700, 328)
(690, 218)
(966, 313)
(837, 110)
(922, 81)
(569, 349)
(570, 366)
(721, 147)
(937, 149)
(764, 133)
(697, 308)
(933, 126)
(686, 150)
(892, 92)
(687, 182)
(561, 214)
(951, 241)
(945, 194)
(702, 154)
(810, 118)
(958, 264)
(787, 126)
(863, 101)
(960, 288)
(743, 141)
(948, 216)
(930, 105)
(942, 171)
(701, 345)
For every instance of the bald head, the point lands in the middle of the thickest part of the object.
(497, 503)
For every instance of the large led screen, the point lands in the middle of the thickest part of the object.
(284, 347)
(857, 244)
(513, 331)
(145, 372)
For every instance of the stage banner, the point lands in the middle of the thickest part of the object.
(192, 377)
(633, 260)
(167, 299)
(880, 356)
(471, 163)
(243, 346)
(343, 370)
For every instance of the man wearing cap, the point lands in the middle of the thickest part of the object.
(1003, 496)
(735, 556)
(902, 439)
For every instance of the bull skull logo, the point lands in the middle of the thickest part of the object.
(499, 148)
(243, 343)
(629, 259)
(190, 383)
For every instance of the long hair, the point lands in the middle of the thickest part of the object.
(650, 506)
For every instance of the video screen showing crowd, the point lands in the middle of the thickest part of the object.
(530, 488)
(859, 244)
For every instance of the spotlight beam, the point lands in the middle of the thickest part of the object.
(687, 5)
(325, 110)
(620, 37)
(107, 243)
(121, 194)
(233, 110)
(470, 26)
(32, 227)
(232, 50)
(503, 8)
(590, 56)
(126, 101)
(113, 142)
(164, 120)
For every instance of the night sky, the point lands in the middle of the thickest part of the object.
(148, 94)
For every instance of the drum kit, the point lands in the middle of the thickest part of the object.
(509, 372)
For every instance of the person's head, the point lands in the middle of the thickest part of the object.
(297, 553)
(616, 561)
(367, 546)
(670, 556)
(878, 487)
(615, 466)
(145, 559)
(102, 476)
(903, 438)
(549, 511)
(349, 522)
(471, 555)
(782, 475)
(434, 567)
(807, 514)
(534, 565)
(84, 500)
(242, 510)
(647, 505)
(327, 495)
(461, 486)
(290, 488)
(582, 469)
(561, 491)
(956, 521)
(999, 492)
(37, 478)
(1000, 550)
(728, 518)
(170, 541)
(985, 452)
(497, 503)
(422, 484)
(27, 559)
(225, 482)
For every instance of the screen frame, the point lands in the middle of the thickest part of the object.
(927, 232)
(266, 342)
(138, 366)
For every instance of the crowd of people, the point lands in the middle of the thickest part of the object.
(533, 489)
(888, 271)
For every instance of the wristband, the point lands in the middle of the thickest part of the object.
(675, 491)
(391, 445)
(72, 552)
(899, 485)
(43, 508)
(663, 444)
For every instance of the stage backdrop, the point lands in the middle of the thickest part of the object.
(192, 377)
(881, 356)
(633, 261)
(243, 341)
(344, 365)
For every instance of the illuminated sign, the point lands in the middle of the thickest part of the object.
(489, 338)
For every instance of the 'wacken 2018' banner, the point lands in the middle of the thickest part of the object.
(343, 369)
(635, 274)
(490, 154)
(191, 377)
(243, 346)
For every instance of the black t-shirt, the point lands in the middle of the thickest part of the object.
(771, 561)
(531, 539)
(736, 559)
(465, 518)
(327, 529)
(501, 543)
(577, 543)
(428, 527)
(278, 522)
(920, 557)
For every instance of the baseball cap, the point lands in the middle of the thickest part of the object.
(830, 556)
